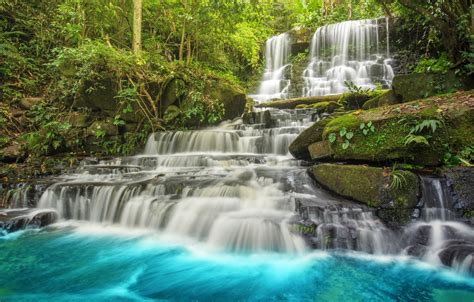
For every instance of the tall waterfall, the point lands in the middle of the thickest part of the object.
(349, 51)
(275, 82)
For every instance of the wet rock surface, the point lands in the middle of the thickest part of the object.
(12, 220)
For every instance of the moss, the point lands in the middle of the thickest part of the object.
(385, 99)
(353, 100)
(327, 107)
(302, 106)
(299, 147)
(347, 121)
(369, 185)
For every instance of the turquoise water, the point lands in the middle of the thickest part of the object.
(87, 263)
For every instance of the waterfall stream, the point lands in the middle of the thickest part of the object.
(348, 51)
(275, 82)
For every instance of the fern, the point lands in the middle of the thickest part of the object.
(416, 139)
(397, 180)
(426, 124)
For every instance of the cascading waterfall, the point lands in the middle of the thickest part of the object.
(349, 51)
(275, 82)
(439, 239)
(235, 188)
(225, 186)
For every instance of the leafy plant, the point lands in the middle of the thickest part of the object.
(345, 135)
(397, 179)
(441, 64)
(422, 132)
(367, 128)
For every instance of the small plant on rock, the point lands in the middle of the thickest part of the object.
(367, 128)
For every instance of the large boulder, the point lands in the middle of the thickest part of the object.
(299, 147)
(231, 96)
(375, 187)
(387, 139)
(410, 87)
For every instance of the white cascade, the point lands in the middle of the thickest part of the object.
(349, 51)
(275, 82)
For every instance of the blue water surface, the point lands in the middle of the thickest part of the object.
(91, 264)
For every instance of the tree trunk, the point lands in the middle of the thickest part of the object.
(137, 26)
(181, 44)
(189, 50)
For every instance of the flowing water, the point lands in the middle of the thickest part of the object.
(276, 82)
(349, 51)
(223, 213)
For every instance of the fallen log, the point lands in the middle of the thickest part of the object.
(292, 103)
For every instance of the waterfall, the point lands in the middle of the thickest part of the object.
(225, 186)
(275, 82)
(347, 51)
(439, 239)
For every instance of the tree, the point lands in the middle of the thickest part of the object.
(450, 17)
(137, 26)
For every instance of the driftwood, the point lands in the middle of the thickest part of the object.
(292, 103)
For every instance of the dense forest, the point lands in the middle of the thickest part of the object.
(61, 54)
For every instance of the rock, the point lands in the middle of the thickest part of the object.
(320, 150)
(416, 86)
(353, 100)
(292, 103)
(231, 96)
(391, 126)
(11, 153)
(377, 70)
(18, 219)
(78, 119)
(385, 99)
(460, 181)
(326, 107)
(100, 98)
(102, 128)
(28, 103)
(371, 186)
(171, 92)
(299, 147)
(260, 117)
(459, 253)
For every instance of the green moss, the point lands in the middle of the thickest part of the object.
(302, 106)
(347, 121)
(353, 100)
(369, 185)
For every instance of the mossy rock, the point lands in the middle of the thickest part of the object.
(232, 97)
(102, 128)
(326, 107)
(171, 93)
(391, 125)
(97, 96)
(353, 100)
(385, 99)
(371, 186)
(414, 86)
(299, 147)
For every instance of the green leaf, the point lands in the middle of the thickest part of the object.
(332, 137)
(343, 132)
(365, 131)
(362, 126)
(372, 129)
(369, 124)
(346, 144)
(349, 135)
